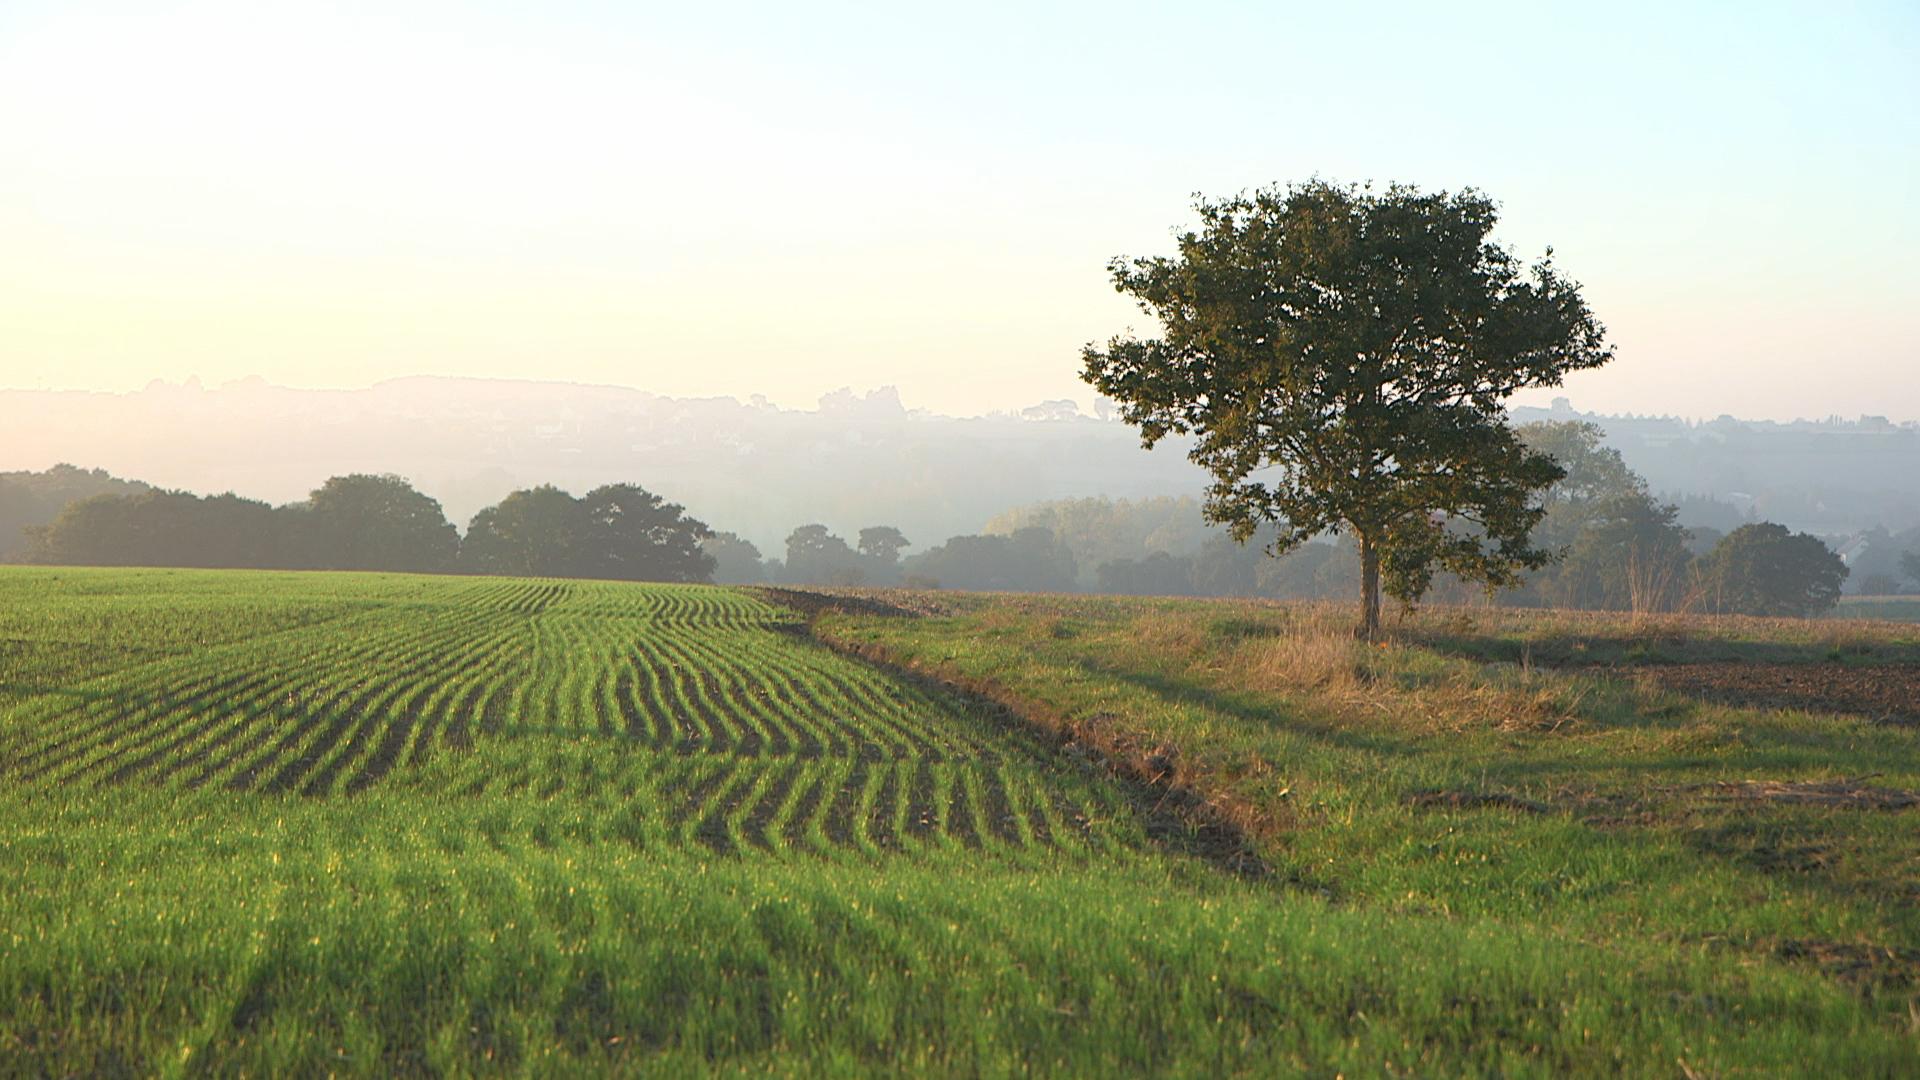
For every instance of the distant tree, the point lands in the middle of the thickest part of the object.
(1594, 472)
(29, 499)
(538, 532)
(1705, 511)
(1764, 569)
(630, 534)
(883, 543)
(1312, 571)
(1628, 556)
(815, 556)
(159, 528)
(1224, 567)
(1702, 539)
(735, 561)
(1879, 585)
(1159, 574)
(1031, 560)
(1910, 565)
(1343, 358)
(364, 522)
(1620, 549)
(1101, 530)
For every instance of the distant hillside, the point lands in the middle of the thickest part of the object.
(744, 466)
(1830, 477)
(855, 460)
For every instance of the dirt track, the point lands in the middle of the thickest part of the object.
(1889, 694)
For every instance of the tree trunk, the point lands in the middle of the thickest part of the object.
(1369, 628)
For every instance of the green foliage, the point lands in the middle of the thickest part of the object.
(618, 531)
(1030, 560)
(1343, 358)
(362, 522)
(1620, 550)
(815, 556)
(166, 528)
(1159, 574)
(32, 499)
(1764, 569)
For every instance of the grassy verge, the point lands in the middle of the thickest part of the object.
(1412, 778)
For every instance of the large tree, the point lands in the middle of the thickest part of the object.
(1342, 357)
(363, 522)
(536, 532)
(635, 535)
(1620, 549)
(1764, 569)
(816, 556)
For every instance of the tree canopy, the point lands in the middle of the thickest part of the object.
(619, 531)
(162, 528)
(1765, 569)
(1031, 560)
(1620, 549)
(30, 499)
(363, 522)
(1343, 358)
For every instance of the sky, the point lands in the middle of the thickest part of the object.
(783, 199)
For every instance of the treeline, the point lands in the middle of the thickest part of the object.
(1620, 548)
(1029, 560)
(28, 499)
(363, 522)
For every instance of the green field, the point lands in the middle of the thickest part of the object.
(260, 824)
(1890, 608)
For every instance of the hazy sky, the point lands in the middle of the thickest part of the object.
(787, 198)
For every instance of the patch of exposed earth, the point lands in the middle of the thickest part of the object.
(1886, 693)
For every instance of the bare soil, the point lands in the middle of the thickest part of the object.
(1886, 693)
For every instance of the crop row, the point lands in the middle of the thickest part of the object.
(732, 729)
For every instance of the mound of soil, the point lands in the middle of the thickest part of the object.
(1886, 693)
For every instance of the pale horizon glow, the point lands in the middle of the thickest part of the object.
(781, 200)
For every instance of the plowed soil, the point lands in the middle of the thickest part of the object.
(1886, 693)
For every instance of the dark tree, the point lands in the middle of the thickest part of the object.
(1910, 566)
(815, 556)
(160, 528)
(1628, 556)
(1031, 560)
(1620, 549)
(883, 543)
(1765, 570)
(1343, 358)
(537, 532)
(1159, 574)
(29, 499)
(634, 535)
(363, 522)
(1223, 567)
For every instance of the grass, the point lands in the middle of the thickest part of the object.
(1881, 608)
(257, 824)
